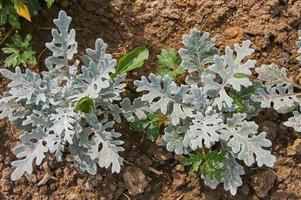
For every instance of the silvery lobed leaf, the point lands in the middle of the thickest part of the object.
(28, 152)
(63, 45)
(56, 145)
(295, 121)
(199, 50)
(173, 139)
(65, 123)
(28, 86)
(229, 70)
(137, 108)
(232, 175)
(37, 119)
(242, 137)
(279, 96)
(112, 93)
(164, 95)
(102, 143)
(96, 76)
(127, 109)
(273, 74)
(196, 97)
(204, 131)
(81, 159)
(9, 108)
(193, 79)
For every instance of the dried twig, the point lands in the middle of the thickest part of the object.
(180, 197)
(45, 179)
(128, 162)
(155, 171)
(6, 36)
(41, 53)
(126, 196)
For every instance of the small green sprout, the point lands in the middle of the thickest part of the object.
(20, 52)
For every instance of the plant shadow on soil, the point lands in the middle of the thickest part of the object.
(271, 26)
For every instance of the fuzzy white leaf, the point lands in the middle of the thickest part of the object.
(103, 144)
(199, 50)
(273, 74)
(28, 152)
(196, 97)
(28, 86)
(229, 68)
(242, 137)
(174, 139)
(9, 108)
(278, 97)
(204, 131)
(96, 76)
(164, 95)
(84, 161)
(137, 109)
(65, 123)
(63, 45)
(295, 121)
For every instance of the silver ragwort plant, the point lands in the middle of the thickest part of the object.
(203, 113)
(71, 107)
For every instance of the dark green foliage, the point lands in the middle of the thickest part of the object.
(8, 15)
(19, 52)
(151, 125)
(241, 98)
(169, 63)
(33, 6)
(209, 164)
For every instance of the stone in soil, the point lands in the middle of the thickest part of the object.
(295, 149)
(262, 182)
(135, 180)
(270, 128)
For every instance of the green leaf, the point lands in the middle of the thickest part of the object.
(139, 125)
(132, 60)
(153, 117)
(169, 64)
(9, 15)
(150, 125)
(152, 132)
(213, 166)
(209, 164)
(243, 96)
(240, 75)
(3, 17)
(49, 3)
(19, 52)
(169, 58)
(13, 19)
(85, 105)
(194, 159)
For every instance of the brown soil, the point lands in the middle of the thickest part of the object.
(151, 172)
